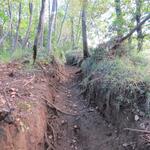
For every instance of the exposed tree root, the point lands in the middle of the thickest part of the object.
(30, 81)
(137, 130)
(50, 145)
(58, 109)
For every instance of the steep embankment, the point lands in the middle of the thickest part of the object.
(66, 122)
(22, 111)
(75, 125)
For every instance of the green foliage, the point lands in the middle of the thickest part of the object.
(5, 56)
(3, 17)
(73, 57)
(119, 82)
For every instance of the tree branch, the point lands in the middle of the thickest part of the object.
(131, 32)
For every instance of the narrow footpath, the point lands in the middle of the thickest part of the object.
(78, 127)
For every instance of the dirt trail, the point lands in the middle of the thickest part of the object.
(65, 123)
(84, 131)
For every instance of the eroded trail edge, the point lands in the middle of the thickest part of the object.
(72, 125)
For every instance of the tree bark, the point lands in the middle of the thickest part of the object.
(78, 33)
(84, 31)
(66, 10)
(52, 14)
(72, 33)
(119, 40)
(119, 18)
(41, 20)
(18, 26)
(41, 42)
(10, 17)
(138, 20)
(29, 26)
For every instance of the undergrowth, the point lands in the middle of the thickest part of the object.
(117, 84)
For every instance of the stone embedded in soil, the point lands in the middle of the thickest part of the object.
(74, 141)
(13, 96)
(50, 137)
(63, 122)
(74, 105)
(136, 117)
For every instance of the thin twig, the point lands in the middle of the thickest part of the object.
(50, 145)
(7, 101)
(58, 109)
(137, 130)
(29, 81)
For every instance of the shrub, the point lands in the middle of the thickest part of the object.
(73, 58)
(115, 86)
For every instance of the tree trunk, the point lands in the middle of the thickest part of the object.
(29, 26)
(138, 20)
(119, 40)
(66, 10)
(72, 33)
(52, 14)
(41, 42)
(78, 33)
(41, 20)
(17, 29)
(84, 31)
(10, 17)
(119, 18)
(55, 18)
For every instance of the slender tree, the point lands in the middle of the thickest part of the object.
(119, 18)
(18, 26)
(52, 17)
(29, 26)
(84, 30)
(72, 33)
(131, 32)
(10, 17)
(138, 20)
(41, 20)
(41, 41)
(61, 27)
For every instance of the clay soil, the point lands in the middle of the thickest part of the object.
(41, 108)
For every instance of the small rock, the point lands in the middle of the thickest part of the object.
(13, 96)
(74, 141)
(13, 93)
(142, 125)
(50, 137)
(136, 117)
(91, 110)
(75, 127)
(74, 105)
(96, 108)
(124, 144)
(63, 122)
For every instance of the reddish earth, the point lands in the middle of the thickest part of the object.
(41, 108)
(20, 93)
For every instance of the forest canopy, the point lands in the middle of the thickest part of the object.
(60, 26)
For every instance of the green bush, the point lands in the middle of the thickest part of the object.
(116, 85)
(73, 58)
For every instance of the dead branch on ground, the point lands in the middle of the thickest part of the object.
(137, 130)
